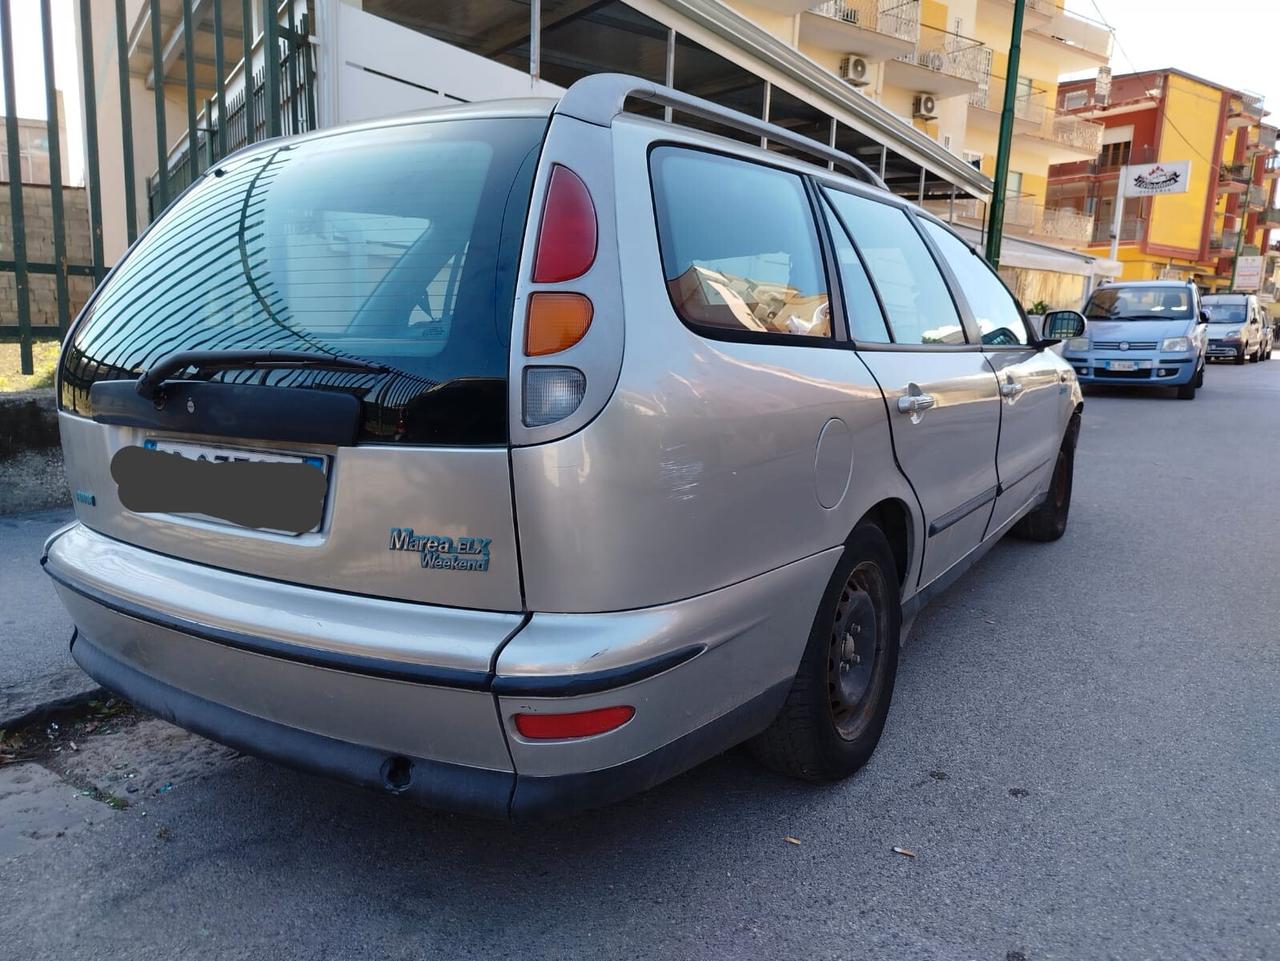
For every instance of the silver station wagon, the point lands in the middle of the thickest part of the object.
(515, 457)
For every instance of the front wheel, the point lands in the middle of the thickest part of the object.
(1239, 357)
(1048, 522)
(835, 712)
(1188, 391)
(1257, 355)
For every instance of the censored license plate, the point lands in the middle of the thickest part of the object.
(266, 490)
(1128, 364)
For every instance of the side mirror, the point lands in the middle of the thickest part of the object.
(1204, 317)
(1062, 325)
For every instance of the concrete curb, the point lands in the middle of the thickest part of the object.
(34, 700)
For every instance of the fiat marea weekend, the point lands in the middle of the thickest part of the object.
(517, 456)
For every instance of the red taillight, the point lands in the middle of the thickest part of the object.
(567, 236)
(545, 727)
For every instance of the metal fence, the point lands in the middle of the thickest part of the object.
(281, 99)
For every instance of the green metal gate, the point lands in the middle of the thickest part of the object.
(275, 99)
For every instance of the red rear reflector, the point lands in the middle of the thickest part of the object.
(580, 724)
(567, 236)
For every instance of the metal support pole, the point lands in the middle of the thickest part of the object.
(189, 57)
(921, 201)
(219, 80)
(1117, 215)
(126, 125)
(55, 170)
(294, 80)
(671, 69)
(91, 159)
(250, 121)
(995, 231)
(831, 142)
(18, 220)
(884, 160)
(764, 110)
(535, 41)
(1241, 216)
(162, 140)
(271, 59)
(951, 208)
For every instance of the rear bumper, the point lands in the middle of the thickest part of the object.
(703, 674)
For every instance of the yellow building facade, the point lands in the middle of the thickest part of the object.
(1164, 117)
(945, 66)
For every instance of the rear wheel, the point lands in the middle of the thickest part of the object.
(836, 709)
(1048, 522)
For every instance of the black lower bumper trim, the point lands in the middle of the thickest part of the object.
(538, 798)
(437, 784)
(452, 787)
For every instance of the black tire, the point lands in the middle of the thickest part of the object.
(1048, 522)
(1257, 355)
(1239, 357)
(1200, 376)
(836, 708)
(1188, 391)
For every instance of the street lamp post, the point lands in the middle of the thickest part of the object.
(995, 225)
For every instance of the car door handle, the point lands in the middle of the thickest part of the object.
(1010, 388)
(914, 403)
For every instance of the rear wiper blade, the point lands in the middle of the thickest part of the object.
(153, 377)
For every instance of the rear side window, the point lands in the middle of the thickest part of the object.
(397, 246)
(997, 315)
(866, 322)
(914, 294)
(739, 246)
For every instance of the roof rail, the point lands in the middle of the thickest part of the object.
(600, 97)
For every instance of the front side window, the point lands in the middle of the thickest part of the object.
(739, 245)
(914, 294)
(999, 320)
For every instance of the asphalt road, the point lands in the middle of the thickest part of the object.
(1082, 753)
(34, 629)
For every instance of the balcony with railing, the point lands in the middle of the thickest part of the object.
(1234, 178)
(1246, 108)
(1132, 229)
(1078, 42)
(1063, 135)
(1224, 242)
(1270, 217)
(875, 30)
(1262, 140)
(942, 63)
(1024, 216)
(1256, 197)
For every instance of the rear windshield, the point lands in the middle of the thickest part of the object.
(397, 245)
(1140, 303)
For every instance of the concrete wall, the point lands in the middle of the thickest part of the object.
(37, 206)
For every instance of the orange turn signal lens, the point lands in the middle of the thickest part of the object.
(556, 322)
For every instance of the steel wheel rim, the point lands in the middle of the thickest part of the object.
(855, 656)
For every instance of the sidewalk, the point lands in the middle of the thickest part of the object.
(36, 669)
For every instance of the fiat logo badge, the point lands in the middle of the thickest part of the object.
(1124, 345)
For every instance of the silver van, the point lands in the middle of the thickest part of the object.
(517, 456)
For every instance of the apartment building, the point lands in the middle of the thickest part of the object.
(945, 66)
(350, 60)
(1161, 117)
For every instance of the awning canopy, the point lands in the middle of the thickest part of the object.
(1029, 255)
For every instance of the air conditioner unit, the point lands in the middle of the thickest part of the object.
(924, 107)
(853, 70)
